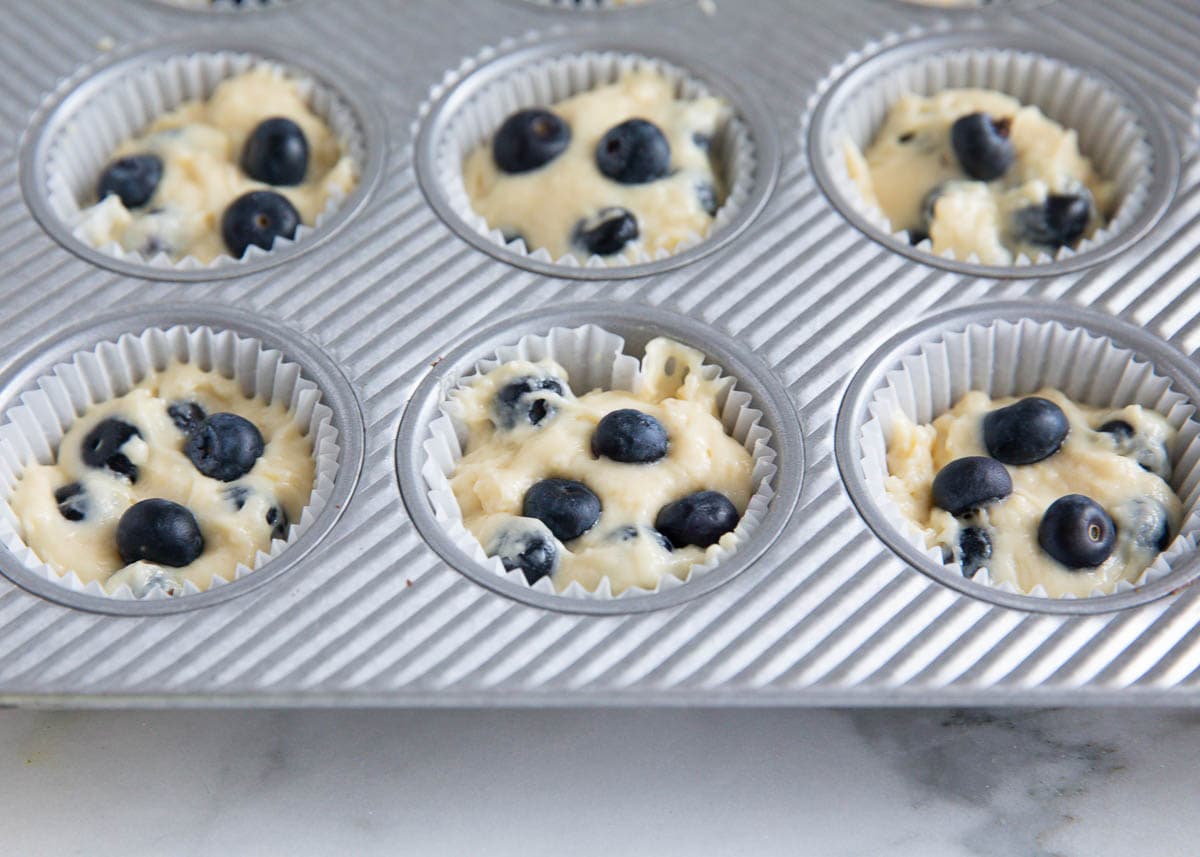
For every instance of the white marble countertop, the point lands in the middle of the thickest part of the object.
(931, 783)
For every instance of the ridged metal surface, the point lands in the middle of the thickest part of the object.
(828, 615)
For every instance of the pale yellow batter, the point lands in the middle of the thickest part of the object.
(500, 466)
(912, 156)
(544, 205)
(283, 475)
(1090, 462)
(200, 144)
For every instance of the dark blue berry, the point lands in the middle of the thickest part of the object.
(1059, 221)
(160, 532)
(630, 436)
(277, 520)
(631, 533)
(1151, 528)
(524, 401)
(134, 179)
(276, 152)
(530, 139)
(974, 550)
(707, 194)
(1077, 532)
(968, 483)
(72, 501)
(101, 447)
(1121, 431)
(606, 233)
(703, 142)
(186, 415)
(256, 219)
(699, 519)
(634, 152)
(224, 446)
(1025, 432)
(982, 146)
(528, 551)
(237, 495)
(567, 508)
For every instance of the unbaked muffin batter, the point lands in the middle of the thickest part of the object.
(550, 205)
(1123, 469)
(914, 175)
(76, 531)
(507, 453)
(200, 144)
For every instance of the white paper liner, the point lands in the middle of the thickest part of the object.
(33, 429)
(549, 81)
(591, 4)
(1013, 359)
(594, 358)
(123, 109)
(1109, 132)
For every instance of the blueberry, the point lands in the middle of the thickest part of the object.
(101, 447)
(186, 415)
(928, 211)
(606, 233)
(630, 436)
(967, 483)
(699, 519)
(703, 142)
(528, 140)
(224, 446)
(707, 194)
(982, 146)
(568, 508)
(527, 550)
(160, 532)
(631, 533)
(1025, 432)
(519, 402)
(134, 179)
(276, 152)
(1121, 431)
(1060, 221)
(72, 501)
(237, 495)
(634, 152)
(974, 550)
(1077, 532)
(256, 219)
(1149, 525)
(277, 520)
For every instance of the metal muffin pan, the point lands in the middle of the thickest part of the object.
(829, 614)
(637, 325)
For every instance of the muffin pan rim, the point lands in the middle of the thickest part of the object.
(58, 107)
(750, 372)
(21, 375)
(1162, 357)
(491, 65)
(881, 54)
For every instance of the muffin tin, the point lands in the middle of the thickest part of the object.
(381, 310)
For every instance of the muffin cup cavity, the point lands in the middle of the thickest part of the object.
(1118, 128)
(600, 348)
(76, 133)
(1012, 350)
(36, 421)
(466, 109)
